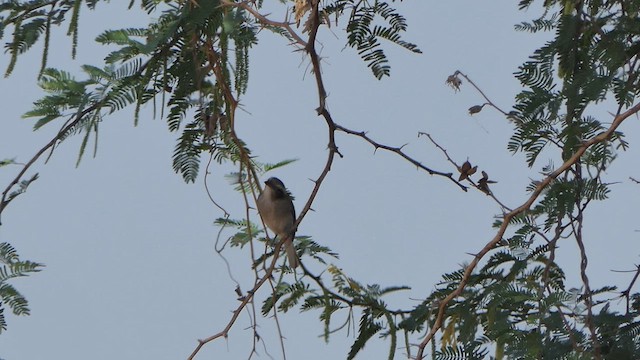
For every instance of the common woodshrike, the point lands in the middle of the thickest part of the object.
(276, 209)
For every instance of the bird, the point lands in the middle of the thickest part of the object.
(275, 205)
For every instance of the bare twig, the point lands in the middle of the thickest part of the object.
(208, 191)
(243, 303)
(576, 224)
(402, 154)
(446, 154)
(486, 98)
(626, 293)
(64, 130)
(321, 110)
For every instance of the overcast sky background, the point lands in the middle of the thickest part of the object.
(131, 272)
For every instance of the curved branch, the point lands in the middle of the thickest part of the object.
(244, 300)
(486, 98)
(65, 129)
(402, 154)
(310, 48)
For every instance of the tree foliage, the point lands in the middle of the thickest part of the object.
(510, 301)
(12, 267)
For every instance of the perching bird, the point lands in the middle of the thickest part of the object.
(276, 209)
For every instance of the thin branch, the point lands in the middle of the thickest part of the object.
(588, 296)
(486, 98)
(402, 154)
(208, 191)
(243, 303)
(25, 11)
(627, 292)
(446, 154)
(70, 124)
(351, 303)
(277, 321)
(64, 130)
(559, 229)
(321, 110)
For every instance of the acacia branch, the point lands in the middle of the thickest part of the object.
(604, 136)
(351, 303)
(559, 229)
(314, 20)
(627, 292)
(588, 296)
(50, 145)
(486, 98)
(70, 124)
(446, 154)
(244, 300)
(402, 154)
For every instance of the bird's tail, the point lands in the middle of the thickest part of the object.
(291, 252)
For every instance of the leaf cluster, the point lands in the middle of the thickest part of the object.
(12, 267)
(520, 308)
(32, 20)
(593, 55)
(179, 55)
(370, 22)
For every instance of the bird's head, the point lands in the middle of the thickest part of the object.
(277, 186)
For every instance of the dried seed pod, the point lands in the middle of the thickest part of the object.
(483, 183)
(466, 170)
(475, 109)
(454, 81)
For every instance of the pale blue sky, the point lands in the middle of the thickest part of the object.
(131, 271)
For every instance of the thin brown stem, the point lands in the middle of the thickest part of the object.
(63, 131)
(588, 296)
(486, 98)
(626, 293)
(402, 154)
(243, 303)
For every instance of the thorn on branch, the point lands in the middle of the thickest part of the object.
(334, 148)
